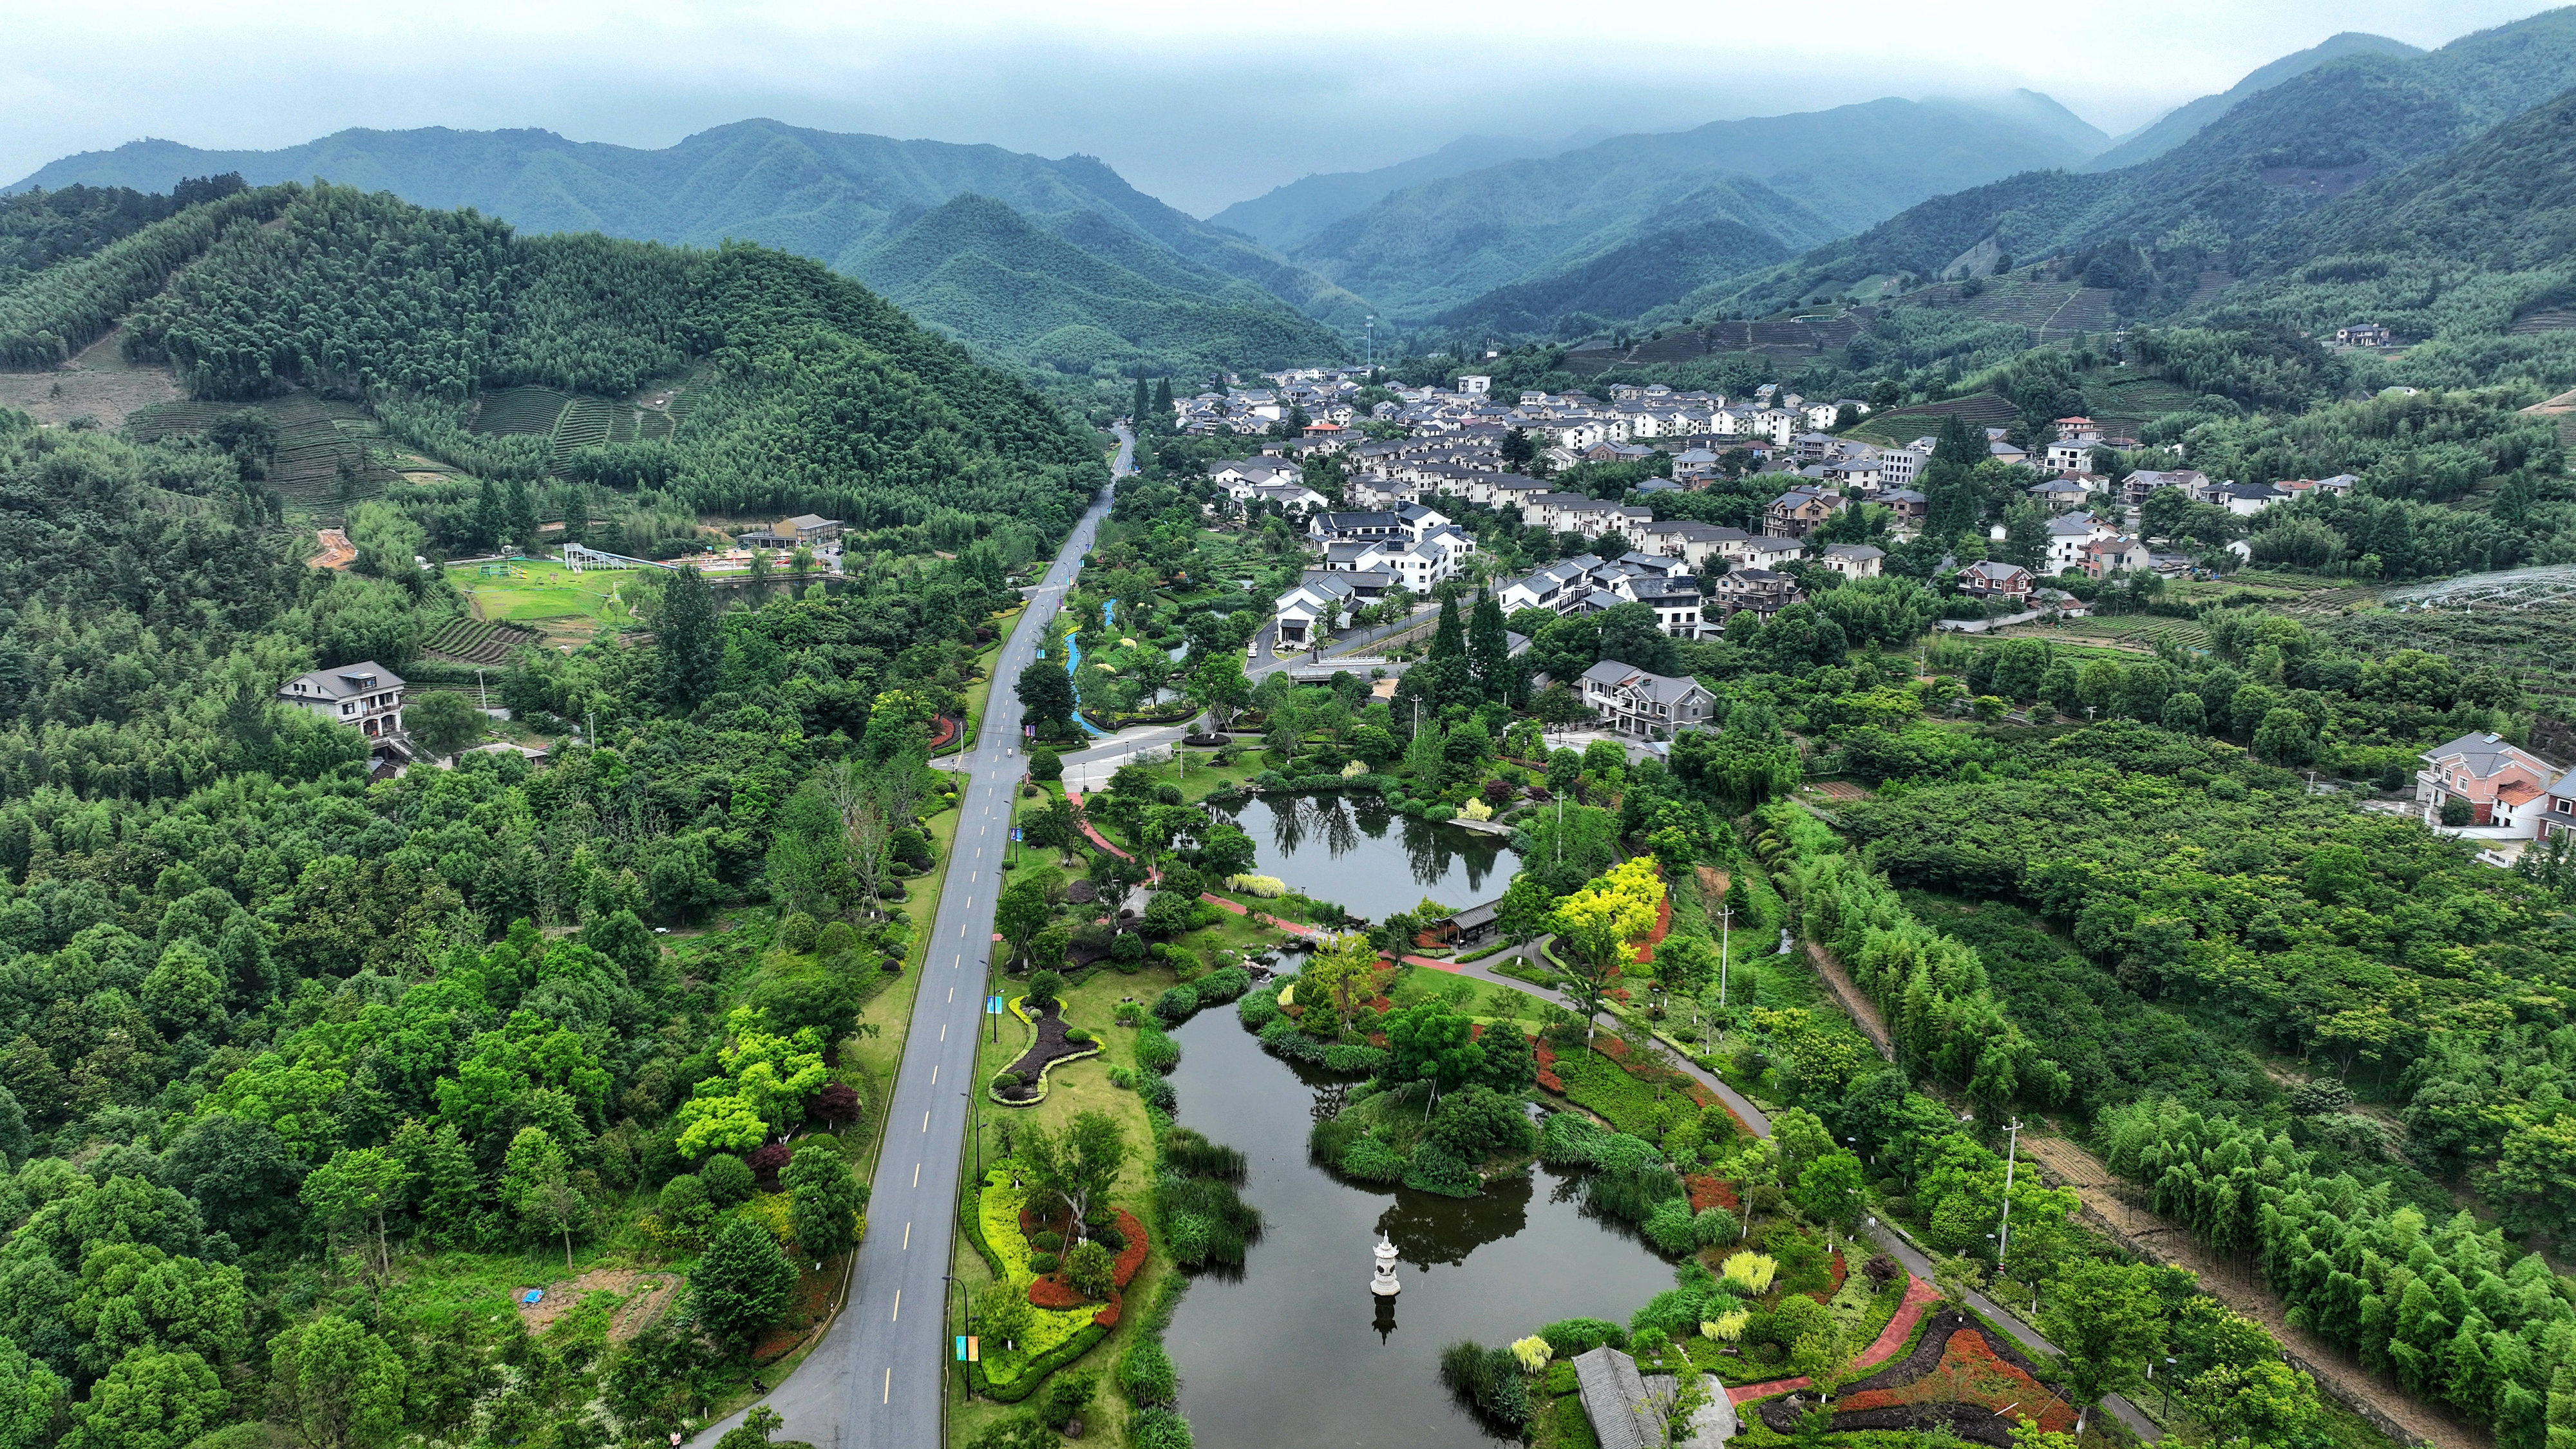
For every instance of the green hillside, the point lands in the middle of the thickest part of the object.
(807, 391)
(2472, 255)
(1798, 179)
(830, 196)
(988, 274)
(1621, 281)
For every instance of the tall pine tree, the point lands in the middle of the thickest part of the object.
(1489, 651)
(691, 640)
(1453, 680)
(1143, 406)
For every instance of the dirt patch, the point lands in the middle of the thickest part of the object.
(1839, 790)
(2108, 1210)
(97, 384)
(1863, 1011)
(337, 552)
(645, 1295)
(423, 475)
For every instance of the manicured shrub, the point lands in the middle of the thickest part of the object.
(684, 1202)
(1091, 1269)
(1146, 1374)
(1044, 988)
(1042, 1263)
(1176, 1005)
(1006, 1080)
(1048, 1240)
(1436, 1167)
(728, 1180)
(1371, 1160)
(1076, 1036)
(1045, 764)
(796, 933)
(1128, 1013)
(1127, 952)
(1478, 1122)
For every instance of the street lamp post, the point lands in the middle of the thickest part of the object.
(966, 1305)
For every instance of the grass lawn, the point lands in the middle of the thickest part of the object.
(543, 590)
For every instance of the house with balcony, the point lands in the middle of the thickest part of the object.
(1640, 705)
(1762, 591)
(2505, 786)
(366, 697)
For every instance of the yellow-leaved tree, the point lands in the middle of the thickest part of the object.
(1598, 927)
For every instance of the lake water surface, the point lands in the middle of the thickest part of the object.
(1369, 860)
(1294, 1350)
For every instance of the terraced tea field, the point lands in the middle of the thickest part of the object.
(479, 641)
(544, 598)
(324, 456)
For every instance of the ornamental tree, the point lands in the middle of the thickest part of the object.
(767, 1080)
(1600, 925)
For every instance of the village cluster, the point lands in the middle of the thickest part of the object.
(1396, 526)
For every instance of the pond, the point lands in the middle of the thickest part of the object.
(1294, 1349)
(1355, 852)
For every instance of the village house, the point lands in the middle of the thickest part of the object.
(1852, 560)
(1996, 580)
(2104, 557)
(367, 697)
(2504, 785)
(1640, 705)
(1796, 513)
(1316, 607)
(2364, 334)
(1693, 542)
(2068, 536)
(1762, 591)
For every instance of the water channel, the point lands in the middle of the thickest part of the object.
(1353, 851)
(1293, 1349)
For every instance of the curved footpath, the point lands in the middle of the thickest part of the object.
(877, 1378)
(1895, 1243)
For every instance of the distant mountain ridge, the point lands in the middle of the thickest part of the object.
(2185, 121)
(1287, 215)
(994, 277)
(1799, 180)
(835, 197)
(2277, 155)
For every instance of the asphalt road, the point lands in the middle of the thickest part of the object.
(876, 1380)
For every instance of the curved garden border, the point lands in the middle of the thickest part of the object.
(1975, 1422)
(1020, 1010)
(1085, 1338)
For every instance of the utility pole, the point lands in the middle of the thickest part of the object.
(1725, 919)
(2012, 1147)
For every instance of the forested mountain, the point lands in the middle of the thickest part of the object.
(833, 197)
(1798, 179)
(2472, 254)
(2164, 223)
(982, 270)
(2185, 121)
(1680, 253)
(812, 392)
(1283, 216)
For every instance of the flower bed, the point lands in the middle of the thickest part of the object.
(1547, 1076)
(1708, 1190)
(1055, 1338)
(1958, 1373)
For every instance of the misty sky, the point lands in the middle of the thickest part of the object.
(1201, 104)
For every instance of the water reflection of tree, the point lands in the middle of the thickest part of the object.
(1341, 832)
(1428, 1228)
(1287, 827)
(1431, 851)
